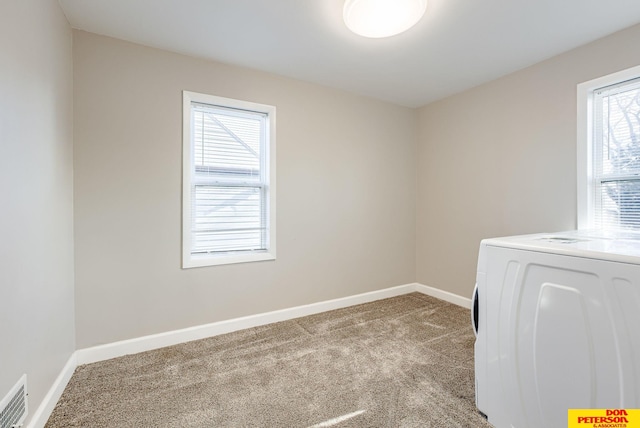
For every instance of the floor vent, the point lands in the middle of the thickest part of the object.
(13, 407)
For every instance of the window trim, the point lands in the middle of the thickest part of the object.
(585, 180)
(188, 261)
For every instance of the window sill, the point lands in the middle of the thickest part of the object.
(207, 260)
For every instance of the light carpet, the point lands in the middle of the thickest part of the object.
(406, 361)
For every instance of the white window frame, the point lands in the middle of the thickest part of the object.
(585, 159)
(269, 162)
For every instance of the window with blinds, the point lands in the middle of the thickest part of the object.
(616, 155)
(228, 208)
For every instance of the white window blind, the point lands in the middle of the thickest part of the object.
(616, 155)
(228, 181)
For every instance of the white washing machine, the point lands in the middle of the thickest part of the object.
(557, 319)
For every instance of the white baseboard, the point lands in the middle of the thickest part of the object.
(42, 413)
(155, 341)
(444, 295)
(160, 340)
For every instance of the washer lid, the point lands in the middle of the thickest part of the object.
(596, 244)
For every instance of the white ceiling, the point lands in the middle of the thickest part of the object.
(457, 45)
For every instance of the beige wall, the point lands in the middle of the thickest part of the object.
(36, 223)
(345, 197)
(500, 159)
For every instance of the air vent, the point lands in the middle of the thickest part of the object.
(13, 407)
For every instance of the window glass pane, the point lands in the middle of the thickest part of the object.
(620, 119)
(228, 219)
(227, 143)
(620, 206)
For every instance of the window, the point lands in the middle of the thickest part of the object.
(228, 181)
(609, 152)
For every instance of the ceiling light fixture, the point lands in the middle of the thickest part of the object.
(382, 18)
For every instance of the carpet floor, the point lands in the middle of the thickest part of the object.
(406, 361)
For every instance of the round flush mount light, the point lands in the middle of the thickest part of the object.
(382, 18)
